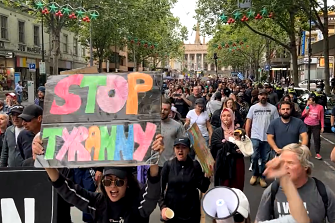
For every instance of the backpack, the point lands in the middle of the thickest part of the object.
(319, 185)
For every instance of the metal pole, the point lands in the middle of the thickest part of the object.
(91, 47)
(42, 40)
(134, 60)
(309, 49)
(42, 77)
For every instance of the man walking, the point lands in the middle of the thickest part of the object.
(286, 129)
(258, 120)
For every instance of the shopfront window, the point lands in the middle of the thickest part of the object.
(4, 27)
(21, 32)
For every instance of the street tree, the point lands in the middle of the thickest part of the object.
(288, 18)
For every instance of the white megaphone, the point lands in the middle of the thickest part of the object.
(221, 203)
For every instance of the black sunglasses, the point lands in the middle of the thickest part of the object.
(108, 182)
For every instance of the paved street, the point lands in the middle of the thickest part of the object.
(323, 170)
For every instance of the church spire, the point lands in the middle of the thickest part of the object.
(197, 35)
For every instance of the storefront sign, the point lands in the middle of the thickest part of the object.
(305, 61)
(101, 119)
(322, 62)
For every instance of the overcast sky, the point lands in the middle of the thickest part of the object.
(185, 10)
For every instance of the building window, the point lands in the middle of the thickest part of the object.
(65, 43)
(36, 35)
(75, 47)
(83, 51)
(4, 27)
(21, 32)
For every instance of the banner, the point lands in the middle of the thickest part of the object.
(204, 156)
(100, 119)
(303, 43)
(26, 196)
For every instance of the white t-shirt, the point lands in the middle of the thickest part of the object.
(17, 132)
(200, 120)
(284, 219)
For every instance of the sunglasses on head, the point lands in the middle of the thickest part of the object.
(109, 182)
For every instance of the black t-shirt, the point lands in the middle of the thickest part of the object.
(181, 106)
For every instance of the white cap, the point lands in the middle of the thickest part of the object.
(243, 207)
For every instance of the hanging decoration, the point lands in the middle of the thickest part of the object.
(232, 46)
(241, 15)
(144, 43)
(66, 11)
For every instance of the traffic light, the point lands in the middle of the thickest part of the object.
(215, 56)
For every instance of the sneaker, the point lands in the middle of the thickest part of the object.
(318, 156)
(253, 180)
(262, 183)
(250, 168)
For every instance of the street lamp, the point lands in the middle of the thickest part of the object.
(216, 63)
(309, 49)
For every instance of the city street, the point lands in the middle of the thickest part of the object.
(324, 170)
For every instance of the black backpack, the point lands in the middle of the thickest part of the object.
(319, 185)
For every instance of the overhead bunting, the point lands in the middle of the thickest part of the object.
(238, 42)
(240, 15)
(66, 11)
(144, 43)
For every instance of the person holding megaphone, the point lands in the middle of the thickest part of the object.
(231, 205)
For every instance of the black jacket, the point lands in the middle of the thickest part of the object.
(224, 155)
(182, 180)
(132, 209)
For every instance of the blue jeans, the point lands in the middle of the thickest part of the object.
(82, 177)
(261, 151)
(19, 98)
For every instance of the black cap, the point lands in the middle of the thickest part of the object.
(263, 91)
(30, 112)
(120, 172)
(183, 141)
(16, 109)
(200, 101)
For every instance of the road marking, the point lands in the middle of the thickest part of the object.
(331, 142)
(329, 165)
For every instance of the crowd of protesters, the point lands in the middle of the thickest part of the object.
(237, 119)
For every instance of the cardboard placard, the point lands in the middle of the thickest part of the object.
(100, 119)
(204, 156)
(26, 196)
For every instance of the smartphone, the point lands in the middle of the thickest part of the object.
(177, 95)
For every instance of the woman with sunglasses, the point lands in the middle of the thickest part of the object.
(120, 199)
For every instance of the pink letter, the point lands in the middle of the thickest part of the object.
(72, 101)
(144, 139)
(73, 144)
(112, 97)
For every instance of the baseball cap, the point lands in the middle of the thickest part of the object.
(262, 91)
(120, 172)
(41, 88)
(16, 109)
(200, 101)
(30, 112)
(13, 95)
(182, 141)
(243, 206)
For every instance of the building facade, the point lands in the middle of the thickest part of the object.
(21, 48)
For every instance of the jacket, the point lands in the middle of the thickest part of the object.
(10, 156)
(224, 155)
(130, 209)
(180, 181)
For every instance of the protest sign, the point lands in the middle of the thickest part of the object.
(26, 196)
(101, 119)
(204, 156)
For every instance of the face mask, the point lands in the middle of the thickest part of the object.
(318, 89)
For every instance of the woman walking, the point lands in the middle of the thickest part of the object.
(229, 161)
(314, 120)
